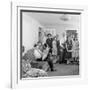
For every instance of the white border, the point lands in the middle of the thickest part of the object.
(16, 82)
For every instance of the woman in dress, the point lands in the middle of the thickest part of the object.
(75, 52)
(54, 45)
(69, 49)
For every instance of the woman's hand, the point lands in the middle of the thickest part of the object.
(69, 50)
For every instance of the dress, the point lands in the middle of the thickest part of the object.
(45, 53)
(54, 50)
(37, 53)
(75, 52)
(69, 47)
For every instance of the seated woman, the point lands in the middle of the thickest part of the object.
(38, 52)
(45, 51)
(41, 51)
(43, 54)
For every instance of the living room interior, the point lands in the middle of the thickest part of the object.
(53, 24)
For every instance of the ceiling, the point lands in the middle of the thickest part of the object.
(54, 19)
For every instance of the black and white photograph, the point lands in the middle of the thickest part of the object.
(45, 44)
(49, 43)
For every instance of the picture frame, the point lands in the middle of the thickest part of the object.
(16, 39)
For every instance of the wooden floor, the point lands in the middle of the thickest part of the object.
(64, 70)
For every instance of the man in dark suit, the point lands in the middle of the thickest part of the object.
(49, 44)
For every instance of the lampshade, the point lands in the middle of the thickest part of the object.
(65, 17)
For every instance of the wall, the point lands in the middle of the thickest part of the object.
(62, 27)
(30, 34)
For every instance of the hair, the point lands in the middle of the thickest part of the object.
(45, 45)
(49, 34)
(35, 45)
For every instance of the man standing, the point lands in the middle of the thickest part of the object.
(63, 49)
(58, 47)
(49, 42)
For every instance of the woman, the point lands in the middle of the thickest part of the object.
(69, 49)
(63, 48)
(45, 52)
(75, 52)
(54, 47)
(38, 52)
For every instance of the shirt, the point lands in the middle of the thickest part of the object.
(62, 41)
(37, 54)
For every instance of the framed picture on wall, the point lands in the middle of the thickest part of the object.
(46, 44)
